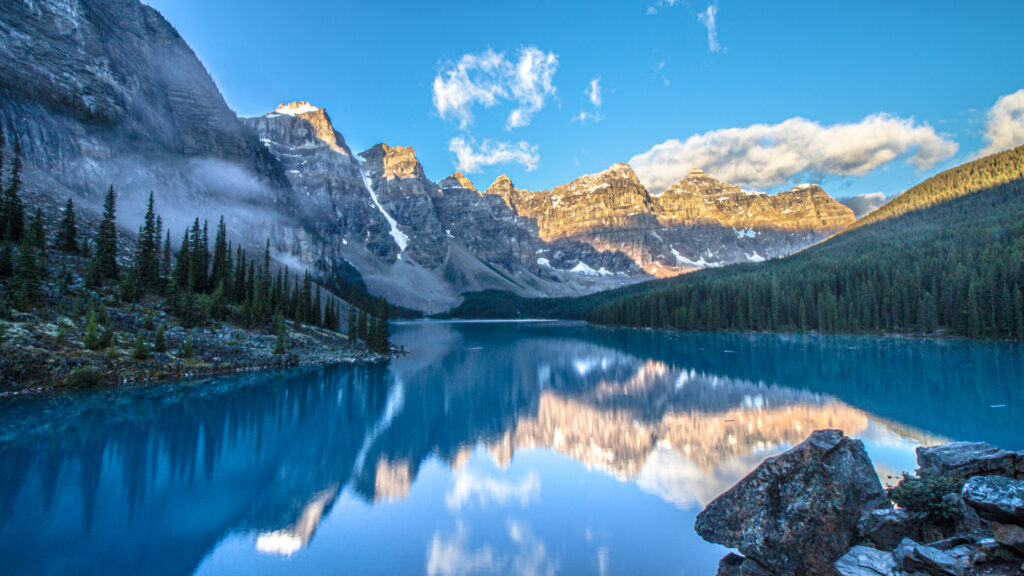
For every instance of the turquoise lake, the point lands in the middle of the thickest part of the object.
(533, 448)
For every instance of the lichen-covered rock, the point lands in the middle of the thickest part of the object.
(996, 498)
(885, 527)
(918, 558)
(797, 512)
(865, 561)
(965, 459)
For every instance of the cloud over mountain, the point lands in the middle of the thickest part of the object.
(863, 204)
(1005, 128)
(766, 155)
(470, 160)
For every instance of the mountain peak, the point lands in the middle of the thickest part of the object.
(297, 108)
(458, 180)
(394, 161)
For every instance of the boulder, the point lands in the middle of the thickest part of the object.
(885, 527)
(1019, 467)
(1009, 535)
(917, 558)
(865, 561)
(797, 512)
(996, 498)
(965, 459)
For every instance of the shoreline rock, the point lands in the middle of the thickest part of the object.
(818, 509)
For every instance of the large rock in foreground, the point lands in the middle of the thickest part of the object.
(797, 512)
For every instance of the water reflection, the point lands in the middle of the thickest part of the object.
(510, 448)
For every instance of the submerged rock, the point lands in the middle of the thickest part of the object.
(964, 460)
(797, 512)
(918, 558)
(865, 561)
(996, 498)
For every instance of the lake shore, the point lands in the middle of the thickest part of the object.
(40, 353)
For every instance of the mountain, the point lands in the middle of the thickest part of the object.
(101, 92)
(697, 223)
(944, 257)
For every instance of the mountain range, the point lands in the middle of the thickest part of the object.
(95, 93)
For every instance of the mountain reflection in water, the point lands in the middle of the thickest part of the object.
(535, 448)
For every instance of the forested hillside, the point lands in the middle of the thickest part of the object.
(947, 256)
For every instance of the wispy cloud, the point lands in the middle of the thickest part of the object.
(766, 155)
(707, 18)
(593, 94)
(654, 8)
(1005, 127)
(485, 490)
(470, 160)
(659, 69)
(490, 78)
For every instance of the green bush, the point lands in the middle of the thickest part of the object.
(84, 377)
(928, 496)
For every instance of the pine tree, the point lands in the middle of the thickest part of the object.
(220, 271)
(26, 274)
(139, 351)
(384, 331)
(92, 336)
(279, 347)
(12, 209)
(186, 350)
(67, 230)
(6, 261)
(363, 328)
(182, 268)
(159, 342)
(147, 252)
(165, 261)
(317, 319)
(105, 258)
(353, 330)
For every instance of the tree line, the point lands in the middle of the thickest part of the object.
(194, 284)
(947, 258)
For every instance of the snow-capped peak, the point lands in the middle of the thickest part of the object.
(295, 108)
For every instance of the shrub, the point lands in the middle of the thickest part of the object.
(84, 377)
(928, 496)
(159, 343)
(139, 352)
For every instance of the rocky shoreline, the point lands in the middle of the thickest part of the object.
(820, 509)
(39, 353)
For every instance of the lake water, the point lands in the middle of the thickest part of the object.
(510, 448)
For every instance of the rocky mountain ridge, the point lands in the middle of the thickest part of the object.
(98, 93)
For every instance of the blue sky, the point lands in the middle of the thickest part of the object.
(891, 92)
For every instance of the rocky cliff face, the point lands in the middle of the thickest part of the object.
(697, 223)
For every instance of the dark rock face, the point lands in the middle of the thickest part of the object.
(996, 498)
(885, 527)
(865, 561)
(1009, 535)
(797, 513)
(730, 565)
(965, 459)
(916, 558)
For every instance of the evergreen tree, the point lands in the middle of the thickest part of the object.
(92, 336)
(6, 261)
(186, 350)
(182, 268)
(165, 261)
(105, 257)
(147, 252)
(13, 211)
(67, 230)
(363, 328)
(26, 274)
(384, 330)
(220, 270)
(159, 342)
(317, 319)
(279, 347)
(353, 330)
(139, 351)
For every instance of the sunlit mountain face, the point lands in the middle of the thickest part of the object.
(496, 448)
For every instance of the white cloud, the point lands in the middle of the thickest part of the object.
(593, 92)
(707, 18)
(659, 68)
(863, 204)
(490, 78)
(653, 9)
(452, 557)
(470, 161)
(469, 485)
(1005, 128)
(766, 155)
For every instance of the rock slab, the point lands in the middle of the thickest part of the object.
(964, 460)
(996, 498)
(865, 561)
(797, 512)
(918, 558)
